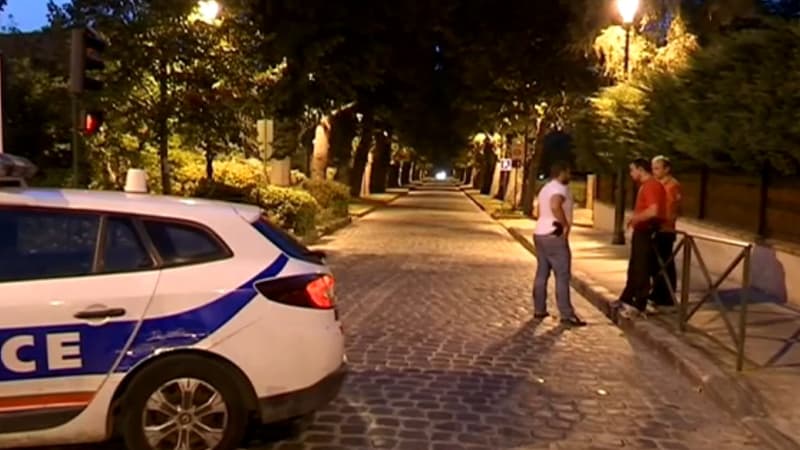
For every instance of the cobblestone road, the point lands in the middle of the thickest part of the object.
(435, 299)
(436, 302)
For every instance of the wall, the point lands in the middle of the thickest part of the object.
(774, 268)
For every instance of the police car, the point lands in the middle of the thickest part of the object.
(174, 323)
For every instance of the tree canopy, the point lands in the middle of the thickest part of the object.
(732, 104)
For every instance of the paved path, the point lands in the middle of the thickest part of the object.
(435, 298)
(436, 302)
(772, 348)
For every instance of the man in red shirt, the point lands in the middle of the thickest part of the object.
(665, 240)
(648, 217)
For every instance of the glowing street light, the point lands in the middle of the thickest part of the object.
(628, 9)
(208, 11)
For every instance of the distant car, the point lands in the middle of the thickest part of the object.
(176, 323)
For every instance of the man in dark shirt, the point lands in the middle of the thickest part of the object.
(648, 216)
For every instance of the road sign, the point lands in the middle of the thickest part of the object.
(506, 164)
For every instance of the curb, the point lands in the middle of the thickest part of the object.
(729, 392)
(344, 222)
(328, 229)
(501, 216)
(372, 208)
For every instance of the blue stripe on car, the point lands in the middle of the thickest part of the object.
(102, 345)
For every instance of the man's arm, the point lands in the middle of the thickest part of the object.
(675, 203)
(652, 197)
(647, 214)
(557, 207)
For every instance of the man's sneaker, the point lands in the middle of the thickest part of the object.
(541, 316)
(627, 310)
(654, 308)
(573, 321)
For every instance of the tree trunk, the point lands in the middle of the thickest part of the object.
(529, 190)
(319, 160)
(361, 155)
(163, 129)
(209, 164)
(489, 163)
(380, 163)
(477, 179)
(394, 175)
(343, 130)
(405, 174)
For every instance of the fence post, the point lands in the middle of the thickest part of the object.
(686, 281)
(702, 201)
(745, 297)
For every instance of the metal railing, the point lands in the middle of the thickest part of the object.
(688, 246)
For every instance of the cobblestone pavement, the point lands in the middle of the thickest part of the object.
(435, 297)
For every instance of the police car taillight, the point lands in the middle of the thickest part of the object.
(307, 291)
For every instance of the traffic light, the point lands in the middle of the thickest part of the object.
(92, 122)
(86, 56)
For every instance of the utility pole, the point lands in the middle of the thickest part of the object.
(3, 78)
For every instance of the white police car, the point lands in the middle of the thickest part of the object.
(174, 322)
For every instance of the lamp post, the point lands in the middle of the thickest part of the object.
(627, 9)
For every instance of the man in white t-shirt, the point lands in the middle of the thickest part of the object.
(551, 238)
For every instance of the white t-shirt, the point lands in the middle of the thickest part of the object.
(544, 224)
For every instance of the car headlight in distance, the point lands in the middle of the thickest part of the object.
(441, 176)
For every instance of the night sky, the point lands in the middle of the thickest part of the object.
(28, 15)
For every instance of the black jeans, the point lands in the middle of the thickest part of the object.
(664, 245)
(640, 270)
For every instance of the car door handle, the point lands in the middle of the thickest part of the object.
(94, 314)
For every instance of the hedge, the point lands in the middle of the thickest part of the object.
(298, 209)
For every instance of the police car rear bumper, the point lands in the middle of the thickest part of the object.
(305, 401)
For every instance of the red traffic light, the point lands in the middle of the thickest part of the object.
(92, 122)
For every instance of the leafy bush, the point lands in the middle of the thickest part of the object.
(291, 209)
(297, 177)
(241, 180)
(331, 196)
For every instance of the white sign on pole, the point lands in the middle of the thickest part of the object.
(506, 165)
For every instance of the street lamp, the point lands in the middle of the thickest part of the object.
(627, 9)
(208, 11)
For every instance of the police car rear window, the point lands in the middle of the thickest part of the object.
(287, 243)
(180, 244)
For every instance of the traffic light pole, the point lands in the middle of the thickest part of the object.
(76, 141)
(3, 79)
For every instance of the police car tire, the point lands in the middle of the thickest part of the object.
(182, 366)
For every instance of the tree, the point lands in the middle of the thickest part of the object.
(36, 122)
(751, 85)
(155, 52)
(382, 160)
(435, 72)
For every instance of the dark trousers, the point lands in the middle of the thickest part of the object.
(640, 270)
(664, 245)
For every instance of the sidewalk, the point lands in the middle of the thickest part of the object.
(764, 396)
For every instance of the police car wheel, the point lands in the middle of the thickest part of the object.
(184, 403)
